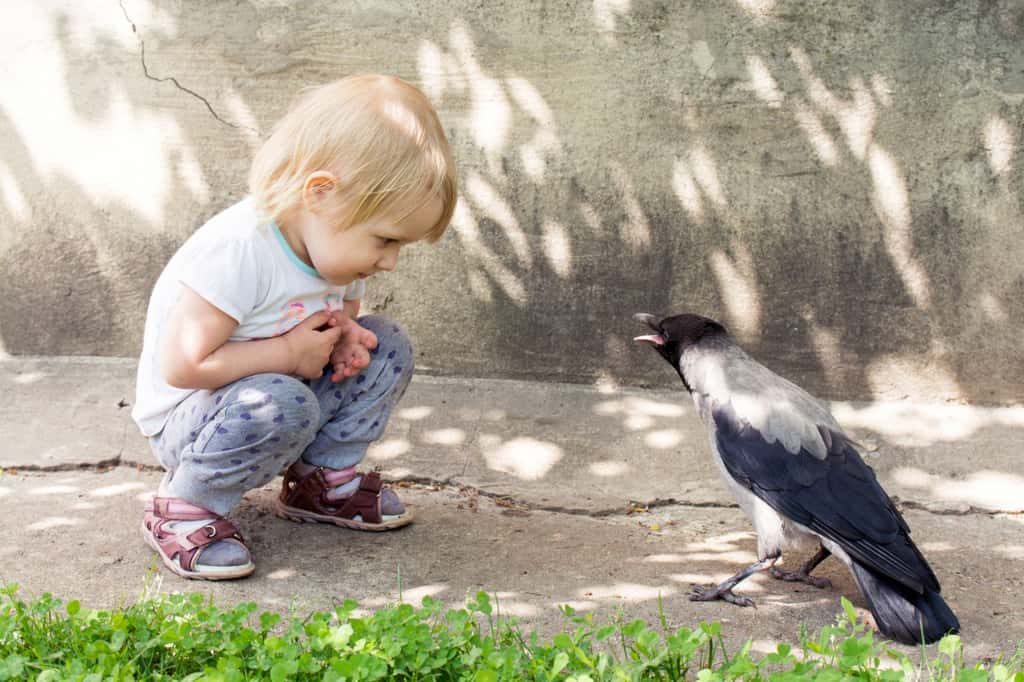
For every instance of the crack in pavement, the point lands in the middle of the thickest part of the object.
(513, 503)
(101, 467)
(508, 501)
(970, 510)
(172, 79)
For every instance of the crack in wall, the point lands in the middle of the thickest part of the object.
(172, 79)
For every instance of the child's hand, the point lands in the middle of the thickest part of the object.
(352, 351)
(310, 349)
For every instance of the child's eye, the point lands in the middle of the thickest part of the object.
(387, 241)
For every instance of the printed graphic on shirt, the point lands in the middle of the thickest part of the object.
(294, 313)
(332, 301)
(296, 310)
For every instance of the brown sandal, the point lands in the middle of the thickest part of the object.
(181, 550)
(304, 498)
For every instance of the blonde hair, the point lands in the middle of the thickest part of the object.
(377, 134)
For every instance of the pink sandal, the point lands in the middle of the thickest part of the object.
(305, 498)
(182, 550)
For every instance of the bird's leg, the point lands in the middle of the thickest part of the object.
(724, 590)
(804, 574)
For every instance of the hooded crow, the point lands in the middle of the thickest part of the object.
(798, 477)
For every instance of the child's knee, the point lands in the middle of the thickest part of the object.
(239, 473)
(275, 406)
(393, 342)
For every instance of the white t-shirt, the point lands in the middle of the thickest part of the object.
(241, 263)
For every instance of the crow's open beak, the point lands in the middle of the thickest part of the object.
(658, 338)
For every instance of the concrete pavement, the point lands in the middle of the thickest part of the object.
(601, 497)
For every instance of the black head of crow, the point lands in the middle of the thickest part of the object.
(673, 335)
(798, 477)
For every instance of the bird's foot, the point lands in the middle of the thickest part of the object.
(714, 593)
(799, 577)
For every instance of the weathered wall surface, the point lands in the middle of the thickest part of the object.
(840, 183)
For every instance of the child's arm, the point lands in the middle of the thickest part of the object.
(196, 352)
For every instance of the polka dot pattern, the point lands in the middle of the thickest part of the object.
(218, 444)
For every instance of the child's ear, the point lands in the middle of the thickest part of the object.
(320, 185)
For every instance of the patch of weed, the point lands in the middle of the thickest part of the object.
(187, 637)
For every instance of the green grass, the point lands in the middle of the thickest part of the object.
(187, 637)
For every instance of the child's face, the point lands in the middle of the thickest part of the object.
(344, 255)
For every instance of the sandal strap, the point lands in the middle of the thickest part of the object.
(309, 492)
(185, 547)
(176, 509)
(304, 492)
(365, 501)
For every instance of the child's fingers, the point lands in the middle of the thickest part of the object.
(343, 372)
(340, 362)
(348, 359)
(338, 373)
(360, 358)
(342, 352)
(317, 319)
(369, 339)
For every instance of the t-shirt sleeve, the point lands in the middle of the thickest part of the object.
(355, 290)
(226, 274)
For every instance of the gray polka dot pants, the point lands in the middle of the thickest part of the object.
(218, 444)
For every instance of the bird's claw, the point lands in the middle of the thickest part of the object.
(713, 593)
(799, 577)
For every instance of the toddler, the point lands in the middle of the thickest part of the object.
(254, 360)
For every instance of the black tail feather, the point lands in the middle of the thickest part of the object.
(902, 614)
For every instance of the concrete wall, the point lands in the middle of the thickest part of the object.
(839, 182)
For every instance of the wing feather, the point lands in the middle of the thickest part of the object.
(778, 409)
(836, 495)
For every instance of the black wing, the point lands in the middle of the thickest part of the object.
(837, 497)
